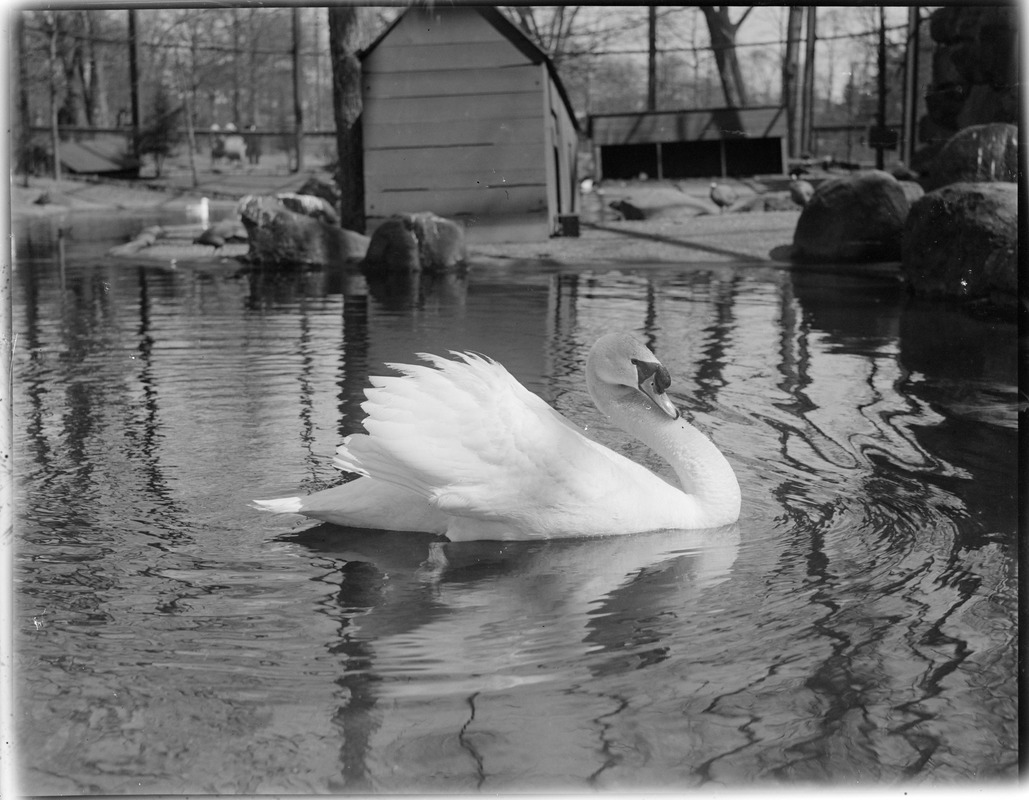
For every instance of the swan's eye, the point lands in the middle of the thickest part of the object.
(647, 369)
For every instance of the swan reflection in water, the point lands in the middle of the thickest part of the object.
(432, 633)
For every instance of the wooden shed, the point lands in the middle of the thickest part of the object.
(465, 117)
(694, 143)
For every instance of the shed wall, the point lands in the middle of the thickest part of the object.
(454, 123)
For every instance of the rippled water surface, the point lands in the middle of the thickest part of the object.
(858, 624)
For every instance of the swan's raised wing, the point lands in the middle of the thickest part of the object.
(477, 444)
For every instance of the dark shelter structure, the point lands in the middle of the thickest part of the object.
(700, 143)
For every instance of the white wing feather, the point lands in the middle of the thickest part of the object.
(476, 444)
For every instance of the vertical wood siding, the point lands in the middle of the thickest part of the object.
(455, 122)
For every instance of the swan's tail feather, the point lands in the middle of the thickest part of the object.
(279, 505)
(346, 461)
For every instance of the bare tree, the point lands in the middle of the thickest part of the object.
(722, 31)
(344, 32)
(550, 28)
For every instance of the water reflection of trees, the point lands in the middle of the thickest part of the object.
(874, 460)
(911, 509)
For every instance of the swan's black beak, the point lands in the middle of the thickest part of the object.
(653, 381)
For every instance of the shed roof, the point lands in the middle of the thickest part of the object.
(507, 29)
(104, 154)
(688, 125)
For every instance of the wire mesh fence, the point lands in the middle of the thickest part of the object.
(267, 72)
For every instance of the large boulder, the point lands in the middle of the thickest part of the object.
(853, 218)
(962, 241)
(416, 242)
(281, 237)
(975, 154)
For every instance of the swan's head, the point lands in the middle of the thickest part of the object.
(618, 365)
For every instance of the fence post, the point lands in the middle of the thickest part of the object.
(298, 106)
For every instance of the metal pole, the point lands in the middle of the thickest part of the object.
(911, 86)
(880, 158)
(55, 136)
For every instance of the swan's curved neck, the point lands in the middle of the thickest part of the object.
(703, 472)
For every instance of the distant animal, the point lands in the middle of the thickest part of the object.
(460, 448)
(800, 190)
(628, 210)
(722, 196)
(232, 148)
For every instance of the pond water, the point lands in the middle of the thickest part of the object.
(857, 626)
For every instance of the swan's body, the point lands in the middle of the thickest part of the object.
(462, 449)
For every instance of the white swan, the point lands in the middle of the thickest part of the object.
(462, 449)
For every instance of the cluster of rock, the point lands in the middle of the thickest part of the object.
(960, 239)
(974, 74)
(303, 228)
(297, 229)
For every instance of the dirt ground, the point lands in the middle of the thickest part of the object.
(681, 224)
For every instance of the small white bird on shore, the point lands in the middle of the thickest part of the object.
(200, 211)
(722, 196)
(800, 190)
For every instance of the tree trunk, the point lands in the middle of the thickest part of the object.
(75, 111)
(346, 106)
(722, 31)
(252, 66)
(55, 135)
(134, 84)
(235, 69)
(93, 80)
(790, 70)
(23, 136)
